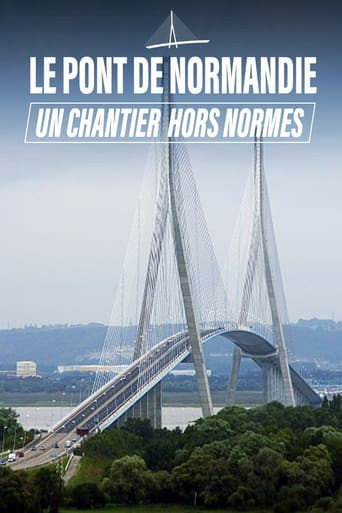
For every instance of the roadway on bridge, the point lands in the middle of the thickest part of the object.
(108, 401)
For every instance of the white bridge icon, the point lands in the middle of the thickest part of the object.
(167, 29)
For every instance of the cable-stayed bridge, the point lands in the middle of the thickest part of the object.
(173, 299)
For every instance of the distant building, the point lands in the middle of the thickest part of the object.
(91, 368)
(186, 372)
(7, 373)
(26, 369)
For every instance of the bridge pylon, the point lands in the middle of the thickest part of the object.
(171, 207)
(263, 266)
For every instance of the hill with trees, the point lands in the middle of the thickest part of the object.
(50, 346)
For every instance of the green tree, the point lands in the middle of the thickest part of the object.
(87, 496)
(160, 449)
(16, 495)
(236, 417)
(113, 443)
(140, 427)
(267, 466)
(207, 430)
(290, 499)
(332, 439)
(162, 489)
(8, 418)
(48, 488)
(129, 481)
(242, 497)
(10, 429)
(317, 470)
(205, 475)
(307, 478)
(250, 443)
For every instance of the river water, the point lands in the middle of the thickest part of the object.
(46, 416)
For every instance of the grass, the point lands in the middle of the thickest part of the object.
(91, 470)
(158, 508)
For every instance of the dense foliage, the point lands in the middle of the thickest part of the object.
(30, 492)
(11, 432)
(279, 459)
(286, 459)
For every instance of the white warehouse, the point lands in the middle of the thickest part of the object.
(26, 369)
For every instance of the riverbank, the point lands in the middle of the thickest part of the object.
(44, 417)
(171, 399)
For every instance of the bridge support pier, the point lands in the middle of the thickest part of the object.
(273, 385)
(269, 382)
(234, 376)
(149, 407)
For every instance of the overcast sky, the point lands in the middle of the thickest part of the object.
(65, 210)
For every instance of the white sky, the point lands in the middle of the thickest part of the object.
(65, 215)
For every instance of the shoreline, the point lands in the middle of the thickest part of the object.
(170, 399)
